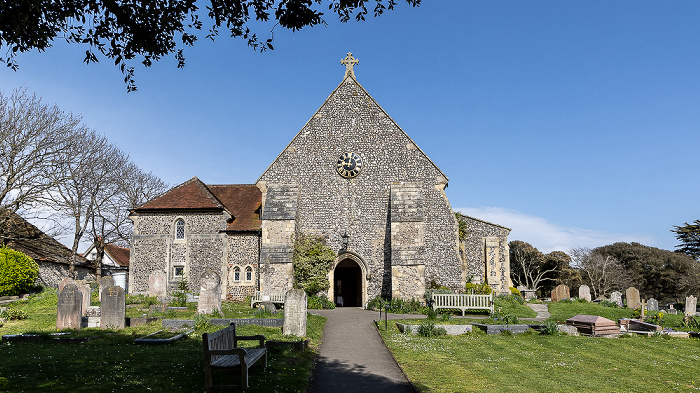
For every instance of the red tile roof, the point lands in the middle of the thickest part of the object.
(242, 201)
(120, 255)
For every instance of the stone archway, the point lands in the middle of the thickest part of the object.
(348, 279)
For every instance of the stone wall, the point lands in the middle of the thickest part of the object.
(330, 205)
(242, 251)
(485, 254)
(51, 273)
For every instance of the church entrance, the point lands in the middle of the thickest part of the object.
(347, 284)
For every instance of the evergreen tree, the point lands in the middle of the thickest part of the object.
(689, 236)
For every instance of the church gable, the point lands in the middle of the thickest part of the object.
(190, 195)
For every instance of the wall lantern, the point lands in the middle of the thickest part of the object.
(345, 240)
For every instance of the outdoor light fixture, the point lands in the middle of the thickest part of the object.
(345, 240)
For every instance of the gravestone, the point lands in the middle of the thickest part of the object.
(691, 304)
(209, 293)
(113, 308)
(62, 284)
(584, 292)
(672, 310)
(295, 313)
(69, 308)
(652, 304)
(157, 284)
(87, 296)
(106, 281)
(559, 293)
(616, 297)
(632, 296)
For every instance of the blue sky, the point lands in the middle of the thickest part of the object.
(573, 123)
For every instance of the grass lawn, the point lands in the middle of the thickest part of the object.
(539, 363)
(114, 363)
(561, 311)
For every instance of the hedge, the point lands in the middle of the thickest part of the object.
(18, 272)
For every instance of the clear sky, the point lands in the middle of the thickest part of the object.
(573, 123)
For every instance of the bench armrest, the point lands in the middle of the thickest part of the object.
(232, 351)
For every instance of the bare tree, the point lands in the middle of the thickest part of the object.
(33, 140)
(604, 273)
(528, 265)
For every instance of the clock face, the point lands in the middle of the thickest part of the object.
(349, 165)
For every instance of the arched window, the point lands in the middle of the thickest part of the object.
(237, 274)
(248, 273)
(180, 229)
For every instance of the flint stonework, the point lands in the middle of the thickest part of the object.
(69, 308)
(295, 313)
(113, 308)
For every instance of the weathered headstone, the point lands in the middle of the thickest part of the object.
(652, 304)
(209, 293)
(113, 308)
(672, 310)
(616, 297)
(295, 313)
(69, 308)
(633, 299)
(691, 304)
(584, 292)
(62, 284)
(87, 295)
(106, 281)
(157, 284)
(560, 293)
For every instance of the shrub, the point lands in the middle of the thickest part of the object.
(312, 260)
(478, 289)
(432, 314)
(12, 313)
(551, 328)
(428, 329)
(608, 303)
(201, 322)
(17, 272)
(514, 291)
(320, 303)
(396, 305)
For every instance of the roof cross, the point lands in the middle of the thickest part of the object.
(349, 62)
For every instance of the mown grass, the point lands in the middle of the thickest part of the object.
(561, 311)
(114, 363)
(539, 363)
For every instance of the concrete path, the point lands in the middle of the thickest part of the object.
(542, 312)
(352, 356)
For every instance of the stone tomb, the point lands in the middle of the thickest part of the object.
(106, 281)
(113, 310)
(593, 325)
(295, 313)
(633, 299)
(157, 284)
(87, 296)
(691, 304)
(209, 293)
(584, 292)
(69, 308)
(560, 293)
(616, 297)
(652, 304)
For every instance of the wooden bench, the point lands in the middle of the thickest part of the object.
(274, 298)
(221, 351)
(463, 302)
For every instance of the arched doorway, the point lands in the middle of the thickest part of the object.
(347, 284)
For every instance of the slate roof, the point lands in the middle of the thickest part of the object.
(242, 201)
(120, 255)
(24, 237)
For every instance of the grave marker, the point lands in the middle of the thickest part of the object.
(616, 297)
(62, 284)
(691, 304)
(652, 304)
(560, 293)
(633, 299)
(157, 284)
(295, 313)
(113, 310)
(584, 292)
(106, 281)
(87, 295)
(209, 293)
(69, 308)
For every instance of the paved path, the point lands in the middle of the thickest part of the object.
(542, 312)
(352, 356)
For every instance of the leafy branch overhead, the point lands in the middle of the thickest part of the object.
(148, 30)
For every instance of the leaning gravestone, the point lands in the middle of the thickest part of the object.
(691, 304)
(157, 284)
(652, 304)
(209, 293)
(113, 308)
(106, 281)
(62, 284)
(560, 293)
(584, 292)
(616, 297)
(87, 296)
(295, 313)
(69, 308)
(632, 296)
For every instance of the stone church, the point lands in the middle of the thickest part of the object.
(351, 176)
